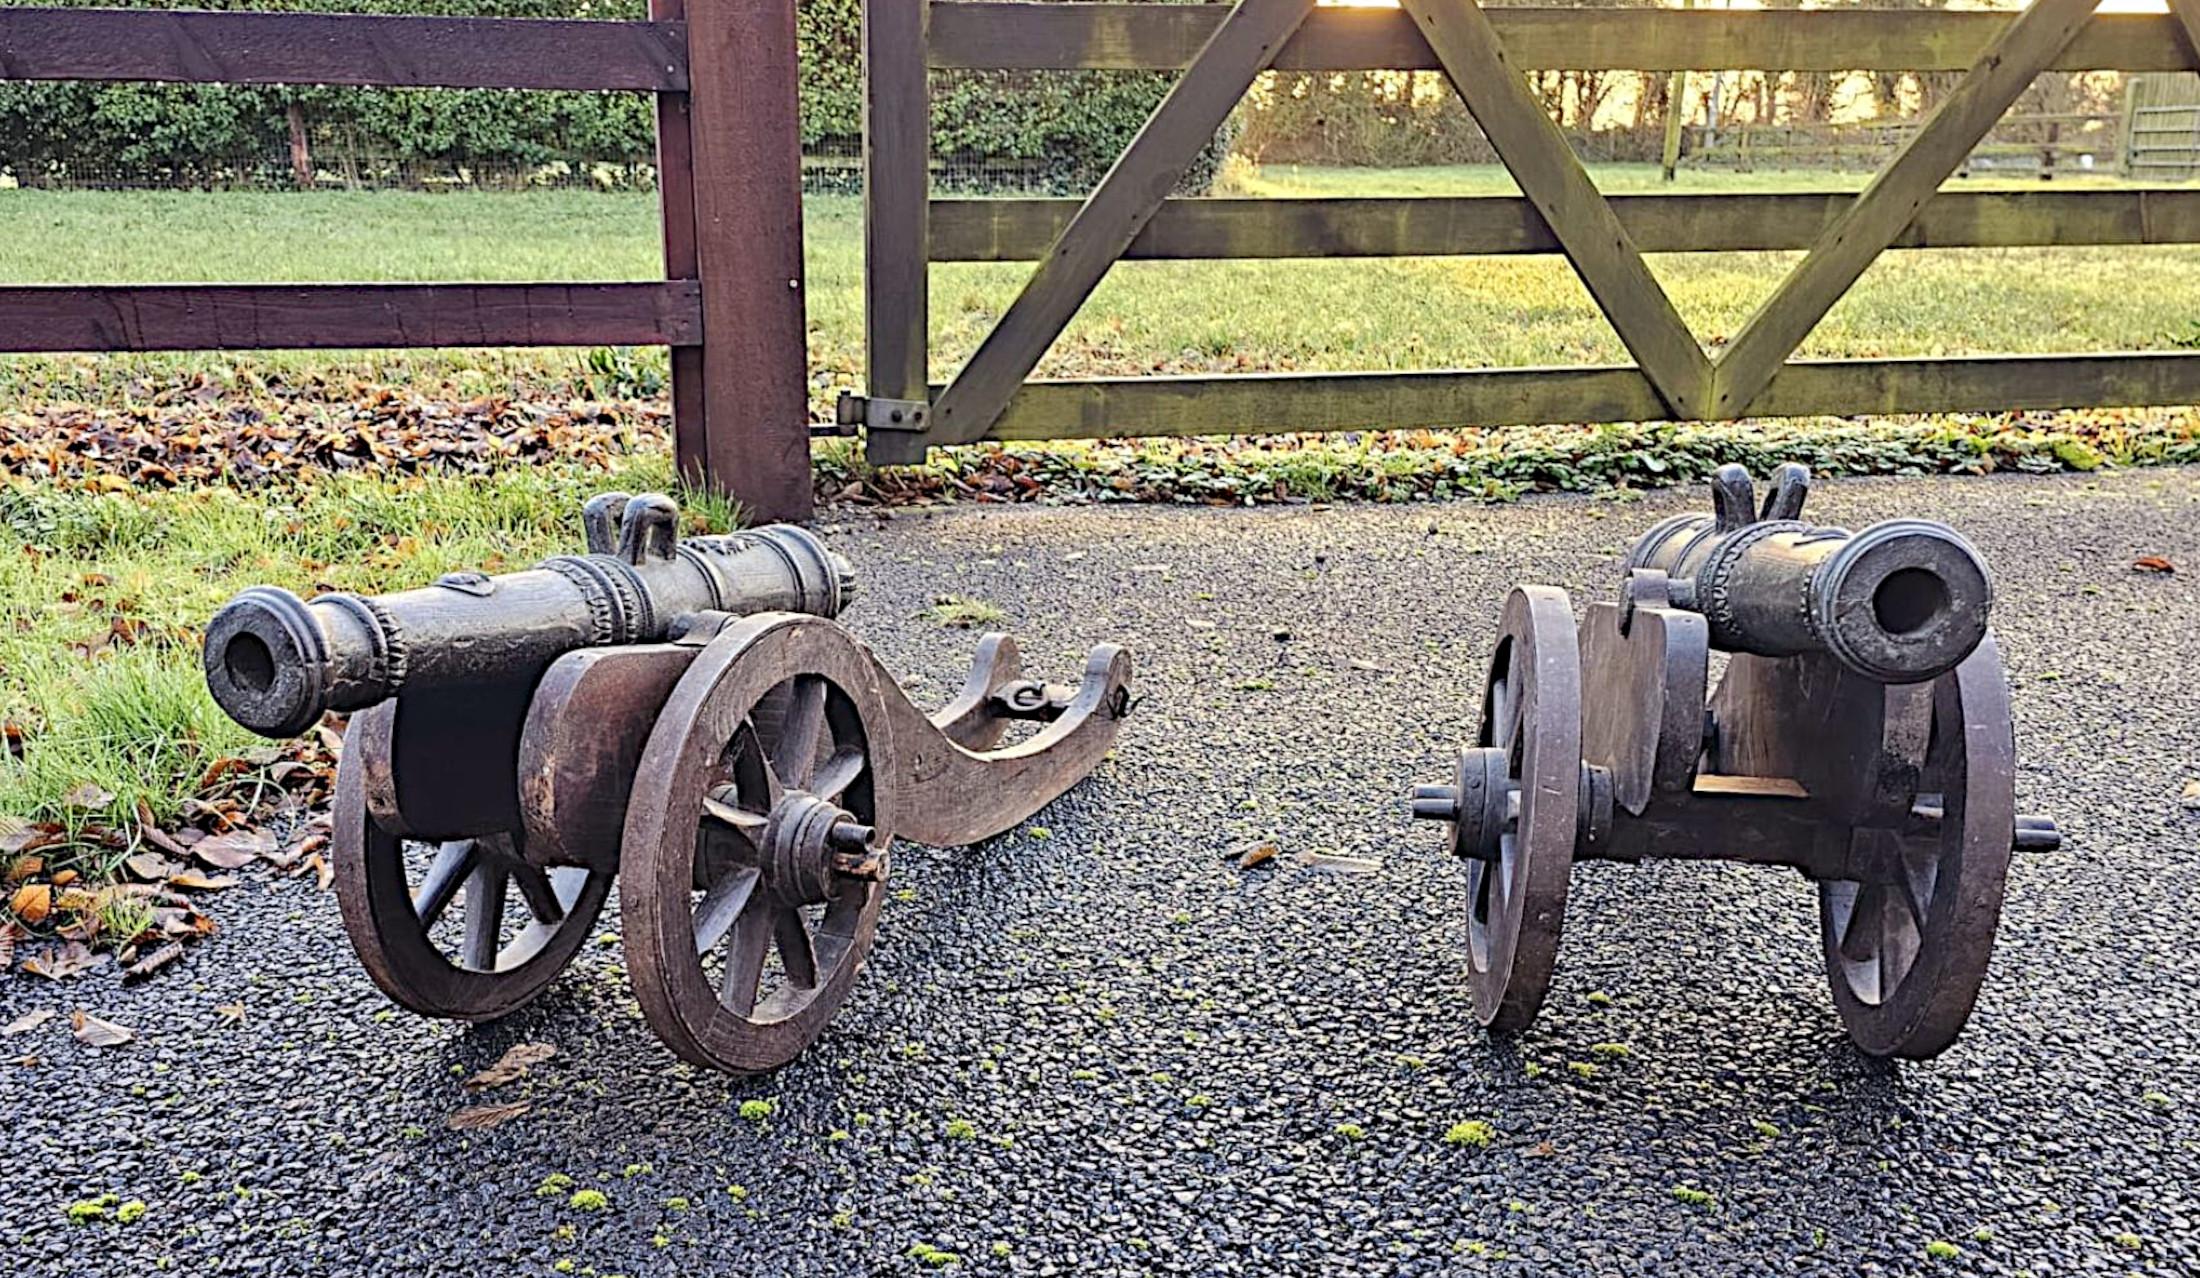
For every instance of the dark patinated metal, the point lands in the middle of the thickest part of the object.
(1860, 734)
(1901, 602)
(684, 714)
(276, 663)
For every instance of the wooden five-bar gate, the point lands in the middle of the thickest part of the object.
(1220, 50)
(731, 306)
(729, 165)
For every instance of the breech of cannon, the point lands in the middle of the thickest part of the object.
(276, 663)
(1901, 602)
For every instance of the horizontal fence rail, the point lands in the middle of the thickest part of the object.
(1995, 52)
(1269, 403)
(1004, 230)
(205, 317)
(729, 202)
(349, 49)
(979, 34)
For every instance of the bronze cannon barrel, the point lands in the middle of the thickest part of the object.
(1900, 602)
(276, 663)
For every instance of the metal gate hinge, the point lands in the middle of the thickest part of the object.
(884, 414)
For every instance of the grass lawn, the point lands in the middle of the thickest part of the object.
(103, 597)
(1147, 316)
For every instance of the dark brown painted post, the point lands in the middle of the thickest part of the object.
(897, 146)
(676, 204)
(746, 144)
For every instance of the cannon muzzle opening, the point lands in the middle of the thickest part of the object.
(267, 662)
(1903, 601)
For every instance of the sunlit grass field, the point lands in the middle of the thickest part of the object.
(1146, 316)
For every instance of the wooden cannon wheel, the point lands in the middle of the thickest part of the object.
(451, 944)
(1907, 949)
(1517, 897)
(754, 850)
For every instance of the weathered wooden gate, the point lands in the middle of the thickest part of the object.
(1221, 50)
(729, 165)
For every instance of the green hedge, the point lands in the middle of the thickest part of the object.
(1056, 130)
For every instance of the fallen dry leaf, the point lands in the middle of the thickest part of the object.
(483, 1116)
(27, 1022)
(324, 870)
(156, 836)
(152, 963)
(231, 1013)
(193, 881)
(94, 1032)
(32, 902)
(234, 850)
(152, 867)
(2152, 563)
(513, 1065)
(88, 796)
(1256, 854)
(1331, 863)
(63, 961)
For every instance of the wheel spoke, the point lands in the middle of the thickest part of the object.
(749, 825)
(485, 892)
(536, 889)
(795, 951)
(453, 862)
(839, 773)
(1917, 869)
(1861, 935)
(752, 935)
(722, 905)
(794, 755)
(1898, 945)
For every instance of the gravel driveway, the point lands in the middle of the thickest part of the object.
(1092, 1046)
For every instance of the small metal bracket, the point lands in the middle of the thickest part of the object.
(1031, 699)
(884, 414)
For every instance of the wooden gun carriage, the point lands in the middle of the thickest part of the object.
(1861, 735)
(683, 716)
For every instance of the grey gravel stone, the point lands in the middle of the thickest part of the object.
(1165, 1058)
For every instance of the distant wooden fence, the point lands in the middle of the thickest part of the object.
(1221, 50)
(2162, 126)
(729, 157)
(2042, 145)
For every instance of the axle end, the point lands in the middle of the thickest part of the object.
(2036, 833)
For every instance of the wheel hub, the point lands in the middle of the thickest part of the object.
(1483, 806)
(811, 845)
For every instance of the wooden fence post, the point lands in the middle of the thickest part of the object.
(676, 212)
(897, 189)
(746, 143)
